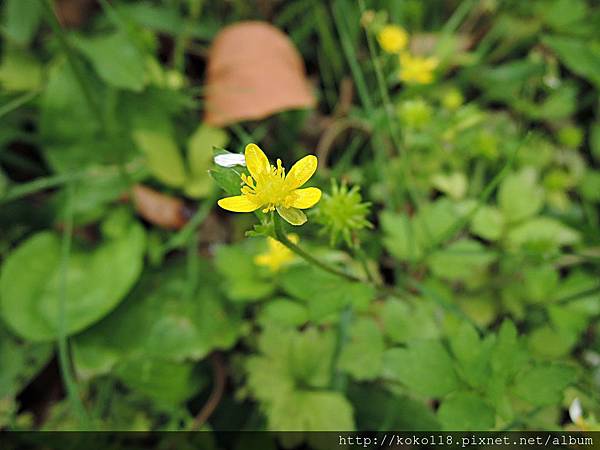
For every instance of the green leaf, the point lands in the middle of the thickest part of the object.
(507, 355)
(31, 283)
(560, 103)
(21, 20)
(551, 343)
(228, 179)
(20, 361)
(425, 367)
(378, 409)
(170, 323)
(407, 239)
(465, 343)
(404, 322)
(116, 59)
(466, 412)
(288, 361)
(569, 319)
(164, 381)
(461, 260)
(543, 385)
(488, 223)
(283, 312)
(562, 14)
(200, 155)
(325, 294)
(311, 411)
(65, 115)
(505, 81)
(162, 156)
(539, 283)
(520, 196)
(542, 233)
(20, 71)
(399, 237)
(454, 185)
(243, 279)
(578, 55)
(362, 355)
(472, 355)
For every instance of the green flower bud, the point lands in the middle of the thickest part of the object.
(342, 213)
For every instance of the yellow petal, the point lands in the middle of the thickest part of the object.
(256, 161)
(292, 215)
(301, 172)
(305, 198)
(239, 203)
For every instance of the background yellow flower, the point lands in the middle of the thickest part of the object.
(417, 69)
(277, 255)
(392, 38)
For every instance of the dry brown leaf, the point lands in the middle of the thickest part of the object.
(253, 71)
(73, 13)
(159, 209)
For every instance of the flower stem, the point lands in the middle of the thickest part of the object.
(281, 236)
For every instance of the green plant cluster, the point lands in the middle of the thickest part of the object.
(449, 278)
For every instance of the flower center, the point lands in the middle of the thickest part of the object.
(267, 189)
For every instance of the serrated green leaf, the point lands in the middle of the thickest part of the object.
(378, 409)
(362, 355)
(549, 342)
(324, 293)
(466, 412)
(425, 367)
(312, 411)
(461, 260)
(543, 385)
(165, 381)
(283, 312)
(404, 322)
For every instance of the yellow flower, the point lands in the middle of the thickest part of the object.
(392, 38)
(278, 255)
(269, 188)
(416, 69)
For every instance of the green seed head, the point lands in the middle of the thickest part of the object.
(342, 213)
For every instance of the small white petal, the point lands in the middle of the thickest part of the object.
(230, 160)
(575, 410)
